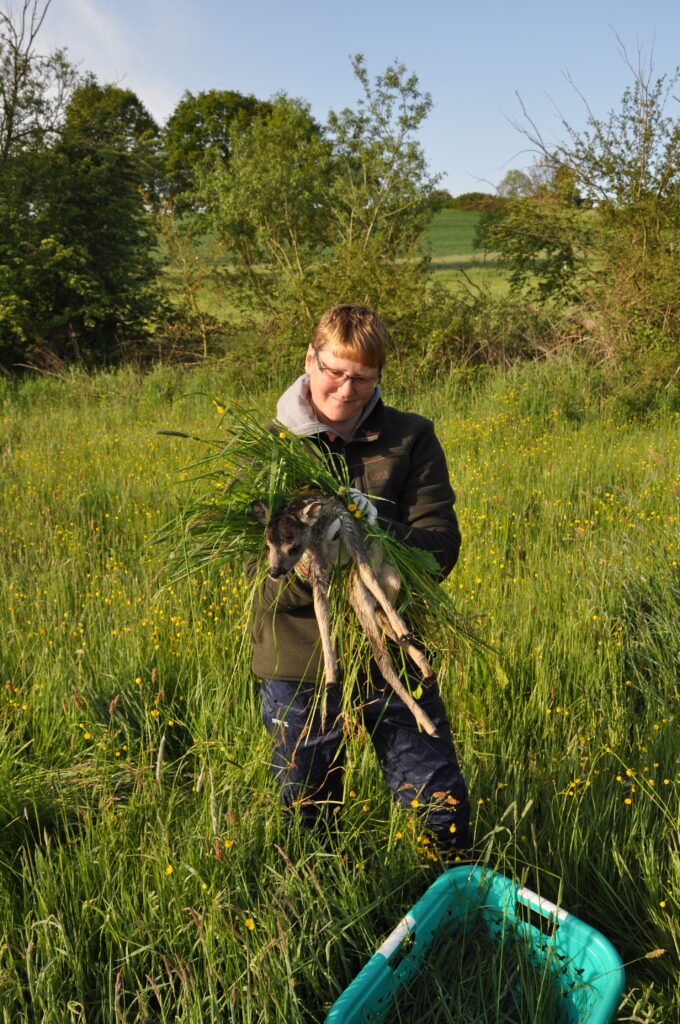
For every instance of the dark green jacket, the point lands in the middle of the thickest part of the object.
(395, 459)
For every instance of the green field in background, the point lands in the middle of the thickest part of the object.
(452, 232)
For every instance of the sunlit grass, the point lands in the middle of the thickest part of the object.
(143, 871)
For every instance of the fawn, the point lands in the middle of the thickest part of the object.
(300, 527)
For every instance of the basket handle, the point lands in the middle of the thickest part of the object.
(537, 912)
(394, 940)
(543, 906)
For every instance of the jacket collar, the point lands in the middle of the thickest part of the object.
(294, 410)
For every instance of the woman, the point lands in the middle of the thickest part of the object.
(395, 458)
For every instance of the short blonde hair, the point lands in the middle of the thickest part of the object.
(353, 332)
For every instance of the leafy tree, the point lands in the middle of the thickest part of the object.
(189, 263)
(101, 163)
(540, 235)
(203, 128)
(267, 205)
(111, 116)
(34, 89)
(77, 277)
(605, 231)
(515, 184)
(381, 190)
(317, 216)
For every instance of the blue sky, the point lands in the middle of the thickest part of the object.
(472, 57)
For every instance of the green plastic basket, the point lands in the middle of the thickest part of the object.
(586, 970)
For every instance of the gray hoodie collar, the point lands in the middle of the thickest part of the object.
(294, 409)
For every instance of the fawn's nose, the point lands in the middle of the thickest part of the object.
(277, 572)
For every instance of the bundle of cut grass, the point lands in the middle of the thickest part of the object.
(216, 527)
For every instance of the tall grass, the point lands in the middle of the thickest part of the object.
(144, 875)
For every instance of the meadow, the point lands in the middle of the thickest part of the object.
(454, 257)
(144, 874)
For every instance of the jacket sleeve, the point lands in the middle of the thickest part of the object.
(426, 517)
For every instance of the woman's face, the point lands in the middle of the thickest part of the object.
(339, 387)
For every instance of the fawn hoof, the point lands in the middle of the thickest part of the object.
(429, 680)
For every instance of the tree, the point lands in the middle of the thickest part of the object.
(479, 202)
(267, 205)
(515, 184)
(109, 115)
(101, 164)
(77, 277)
(34, 89)
(381, 190)
(604, 232)
(189, 262)
(112, 118)
(316, 216)
(538, 232)
(203, 128)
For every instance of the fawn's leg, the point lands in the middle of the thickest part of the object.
(365, 614)
(388, 578)
(417, 656)
(370, 581)
(354, 544)
(319, 581)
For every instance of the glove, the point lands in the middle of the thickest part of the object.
(361, 506)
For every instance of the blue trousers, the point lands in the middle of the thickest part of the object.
(308, 761)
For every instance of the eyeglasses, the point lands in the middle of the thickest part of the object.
(339, 377)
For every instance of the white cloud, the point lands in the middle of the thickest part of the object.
(95, 39)
(104, 30)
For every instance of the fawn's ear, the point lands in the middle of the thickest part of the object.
(260, 511)
(310, 512)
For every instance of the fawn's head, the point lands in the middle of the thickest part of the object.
(288, 531)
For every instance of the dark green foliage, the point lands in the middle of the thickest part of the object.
(76, 251)
(544, 244)
(480, 202)
(202, 128)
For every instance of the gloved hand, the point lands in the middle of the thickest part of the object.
(359, 503)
